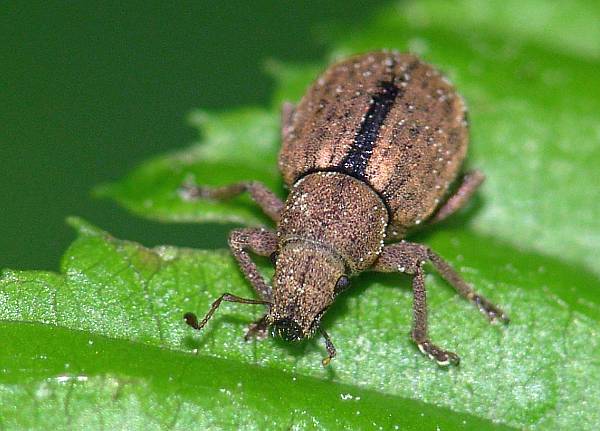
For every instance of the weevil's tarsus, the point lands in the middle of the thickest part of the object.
(469, 185)
(441, 357)
(265, 198)
(192, 320)
(331, 352)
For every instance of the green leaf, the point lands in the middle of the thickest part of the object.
(103, 343)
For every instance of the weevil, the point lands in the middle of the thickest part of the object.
(370, 152)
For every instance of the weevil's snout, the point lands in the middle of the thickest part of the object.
(287, 329)
(303, 288)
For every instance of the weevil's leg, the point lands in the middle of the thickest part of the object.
(410, 258)
(407, 256)
(329, 346)
(192, 320)
(419, 332)
(263, 243)
(493, 313)
(287, 112)
(258, 330)
(265, 198)
(259, 241)
(470, 183)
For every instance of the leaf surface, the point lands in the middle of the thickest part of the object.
(103, 342)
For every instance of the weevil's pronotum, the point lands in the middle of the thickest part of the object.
(370, 152)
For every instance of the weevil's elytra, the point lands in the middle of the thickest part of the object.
(390, 120)
(369, 153)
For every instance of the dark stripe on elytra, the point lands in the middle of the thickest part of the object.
(356, 160)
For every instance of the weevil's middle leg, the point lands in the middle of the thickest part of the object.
(493, 313)
(265, 198)
(470, 183)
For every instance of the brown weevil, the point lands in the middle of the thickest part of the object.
(369, 153)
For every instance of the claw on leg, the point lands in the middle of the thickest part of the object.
(442, 357)
(331, 352)
(493, 313)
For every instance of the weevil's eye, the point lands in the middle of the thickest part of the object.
(342, 284)
(273, 257)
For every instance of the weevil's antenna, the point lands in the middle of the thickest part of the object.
(192, 320)
(329, 346)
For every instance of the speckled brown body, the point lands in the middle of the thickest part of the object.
(420, 144)
(369, 153)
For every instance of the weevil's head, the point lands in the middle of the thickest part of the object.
(307, 279)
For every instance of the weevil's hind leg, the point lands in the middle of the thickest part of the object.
(263, 243)
(470, 183)
(287, 114)
(265, 198)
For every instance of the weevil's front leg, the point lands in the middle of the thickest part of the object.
(265, 198)
(260, 241)
(419, 331)
(470, 183)
(409, 258)
(263, 243)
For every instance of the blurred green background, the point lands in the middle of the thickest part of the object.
(89, 90)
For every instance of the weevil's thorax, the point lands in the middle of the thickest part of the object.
(338, 213)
